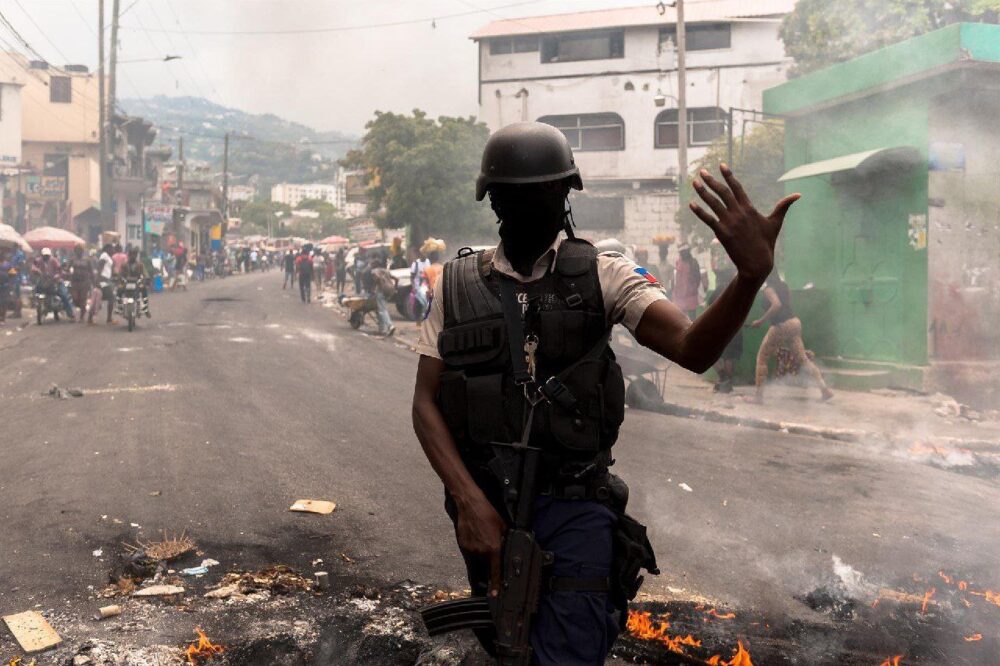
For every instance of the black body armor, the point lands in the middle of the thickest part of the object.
(578, 423)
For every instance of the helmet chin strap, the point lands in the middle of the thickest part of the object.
(568, 221)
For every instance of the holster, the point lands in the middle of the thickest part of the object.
(632, 553)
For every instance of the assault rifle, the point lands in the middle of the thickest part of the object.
(522, 562)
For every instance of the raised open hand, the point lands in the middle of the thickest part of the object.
(747, 235)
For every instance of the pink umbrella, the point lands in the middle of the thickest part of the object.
(53, 238)
(10, 238)
(334, 240)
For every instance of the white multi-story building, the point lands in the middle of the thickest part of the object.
(293, 194)
(351, 190)
(608, 80)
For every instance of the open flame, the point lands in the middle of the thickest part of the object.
(990, 596)
(892, 661)
(641, 625)
(202, 649)
(973, 638)
(741, 658)
(927, 597)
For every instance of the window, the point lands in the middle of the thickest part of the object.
(504, 45)
(704, 124)
(60, 89)
(598, 213)
(590, 131)
(584, 46)
(699, 36)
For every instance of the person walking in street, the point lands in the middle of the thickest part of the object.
(556, 407)
(785, 332)
(180, 267)
(418, 284)
(687, 281)
(319, 271)
(340, 267)
(289, 264)
(725, 368)
(360, 266)
(81, 281)
(8, 275)
(105, 280)
(304, 268)
(384, 288)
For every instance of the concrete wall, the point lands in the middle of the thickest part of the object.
(724, 77)
(84, 174)
(964, 232)
(10, 124)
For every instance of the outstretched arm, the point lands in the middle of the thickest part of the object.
(749, 238)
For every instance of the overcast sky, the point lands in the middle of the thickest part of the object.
(331, 80)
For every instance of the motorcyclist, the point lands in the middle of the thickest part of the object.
(49, 275)
(134, 270)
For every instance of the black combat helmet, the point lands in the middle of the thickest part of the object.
(527, 153)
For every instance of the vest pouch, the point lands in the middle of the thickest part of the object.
(451, 400)
(613, 390)
(474, 344)
(566, 335)
(578, 428)
(485, 419)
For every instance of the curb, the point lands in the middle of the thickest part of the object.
(784, 427)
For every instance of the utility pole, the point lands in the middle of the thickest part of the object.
(682, 127)
(113, 79)
(225, 179)
(102, 121)
(180, 164)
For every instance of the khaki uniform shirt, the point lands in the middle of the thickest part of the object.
(626, 287)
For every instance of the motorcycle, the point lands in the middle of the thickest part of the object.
(46, 300)
(129, 301)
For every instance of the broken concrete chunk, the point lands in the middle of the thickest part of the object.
(223, 592)
(159, 591)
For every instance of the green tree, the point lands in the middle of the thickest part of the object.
(421, 174)
(821, 32)
(758, 162)
(256, 215)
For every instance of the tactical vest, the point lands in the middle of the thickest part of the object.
(478, 396)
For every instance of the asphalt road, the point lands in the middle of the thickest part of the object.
(235, 400)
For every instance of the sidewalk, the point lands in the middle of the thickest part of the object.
(934, 423)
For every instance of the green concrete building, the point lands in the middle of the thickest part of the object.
(897, 156)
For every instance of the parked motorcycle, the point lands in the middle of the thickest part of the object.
(46, 300)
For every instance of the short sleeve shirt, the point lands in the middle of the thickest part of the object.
(627, 288)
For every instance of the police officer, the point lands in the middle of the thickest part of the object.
(468, 394)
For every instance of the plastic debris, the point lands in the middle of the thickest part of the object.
(322, 507)
(684, 486)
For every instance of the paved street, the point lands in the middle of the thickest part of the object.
(235, 400)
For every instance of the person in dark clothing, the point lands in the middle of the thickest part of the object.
(340, 270)
(289, 263)
(785, 332)
(726, 367)
(558, 299)
(304, 268)
(81, 279)
(134, 269)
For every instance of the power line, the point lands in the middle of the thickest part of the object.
(350, 28)
(150, 36)
(187, 71)
(194, 54)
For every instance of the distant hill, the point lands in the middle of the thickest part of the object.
(276, 150)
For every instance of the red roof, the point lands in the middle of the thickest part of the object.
(695, 11)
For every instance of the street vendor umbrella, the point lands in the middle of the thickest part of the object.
(53, 238)
(10, 238)
(334, 240)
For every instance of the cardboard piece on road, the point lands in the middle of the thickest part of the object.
(313, 506)
(32, 631)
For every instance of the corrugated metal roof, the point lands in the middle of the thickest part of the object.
(694, 11)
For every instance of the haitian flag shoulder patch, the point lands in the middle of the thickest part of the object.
(646, 274)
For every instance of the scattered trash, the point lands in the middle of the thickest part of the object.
(165, 550)
(124, 586)
(209, 563)
(313, 506)
(278, 579)
(685, 486)
(346, 558)
(99, 552)
(155, 493)
(318, 561)
(159, 591)
(322, 580)
(104, 612)
(32, 631)
(202, 649)
(63, 394)
(194, 571)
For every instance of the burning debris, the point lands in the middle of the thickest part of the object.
(202, 649)
(277, 579)
(672, 634)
